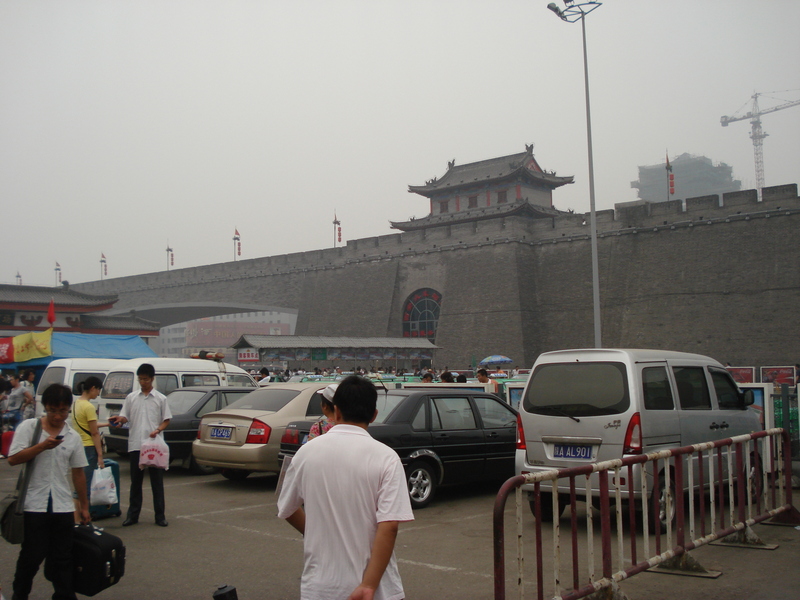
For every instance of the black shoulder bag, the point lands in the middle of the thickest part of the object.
(12, 507)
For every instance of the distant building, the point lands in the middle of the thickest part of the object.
(695, 176)
(218, 334)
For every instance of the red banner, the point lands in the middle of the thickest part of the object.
(7, 350)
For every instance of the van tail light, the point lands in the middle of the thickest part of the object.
(291, 436)
(520, 434)
(258, 433)
(633, 437)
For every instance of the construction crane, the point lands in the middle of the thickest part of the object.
(757, 134)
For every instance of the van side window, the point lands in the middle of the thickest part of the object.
(655, 388)
(692, 388)
(166, 383)
(727, 392)
(199, 380)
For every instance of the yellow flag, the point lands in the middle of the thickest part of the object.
(36, 344)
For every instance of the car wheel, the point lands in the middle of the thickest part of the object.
(198, 469)
(666, 506)
(421, 483)
(235, 474)
(547, 507)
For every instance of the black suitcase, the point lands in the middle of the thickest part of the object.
(98, 560)
(112, 510)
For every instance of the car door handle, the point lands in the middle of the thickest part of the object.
(491, 434)
(441, 436)
(713, 426)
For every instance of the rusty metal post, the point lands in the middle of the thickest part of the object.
(605, 524)
(679, 508)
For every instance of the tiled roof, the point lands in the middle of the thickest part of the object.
(313, 341)
(62, 296)
(477, 214)
(121, 323)
(488, 170)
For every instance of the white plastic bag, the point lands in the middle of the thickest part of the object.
(154, 453)
(104, 489)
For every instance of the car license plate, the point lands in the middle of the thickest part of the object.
(572, 451)
(221, 433)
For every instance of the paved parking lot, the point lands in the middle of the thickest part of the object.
(226, 532)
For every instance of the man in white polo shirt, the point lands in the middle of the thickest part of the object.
(346, 493)
(49, 510)
(148, 413)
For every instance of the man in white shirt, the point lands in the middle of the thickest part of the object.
(346, 493)
(49, 508)
(148, 413)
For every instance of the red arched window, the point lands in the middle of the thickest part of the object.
(421, 314)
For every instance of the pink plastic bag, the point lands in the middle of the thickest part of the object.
(154, 453)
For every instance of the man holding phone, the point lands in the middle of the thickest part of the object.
(148, 413)
(49, 508)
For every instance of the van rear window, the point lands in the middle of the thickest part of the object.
(578, 389)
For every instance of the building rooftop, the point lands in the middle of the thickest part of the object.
(313, 341)
(513, 166)
(32, 296)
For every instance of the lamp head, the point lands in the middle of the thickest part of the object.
(552, 6)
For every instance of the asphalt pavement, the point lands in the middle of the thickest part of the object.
(223, 532)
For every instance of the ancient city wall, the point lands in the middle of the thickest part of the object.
(719, 276)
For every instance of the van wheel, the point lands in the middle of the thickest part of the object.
(235, 474)
(666, 506)
(197, 469)
(421, 483)
(547, 507)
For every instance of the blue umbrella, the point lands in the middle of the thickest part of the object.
(496, 359)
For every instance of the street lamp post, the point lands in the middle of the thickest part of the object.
(577, 12)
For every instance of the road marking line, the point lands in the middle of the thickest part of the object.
(224, 510)
(248, 530)
(440, 523)
(443, 568)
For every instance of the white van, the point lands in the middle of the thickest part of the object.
(171, 373)
(71, 372)
(586, 406)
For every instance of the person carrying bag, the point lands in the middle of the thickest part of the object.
(12, 522)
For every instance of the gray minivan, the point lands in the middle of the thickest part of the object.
(585, 406)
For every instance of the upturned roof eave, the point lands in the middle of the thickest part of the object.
(430, 190)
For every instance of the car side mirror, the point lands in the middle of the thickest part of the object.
(747, 398)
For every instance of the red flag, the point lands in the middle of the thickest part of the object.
(103, 256)
(669, 166)
(51, 313)
(237, 232)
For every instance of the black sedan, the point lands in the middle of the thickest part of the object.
(442, 437)
(187, 405)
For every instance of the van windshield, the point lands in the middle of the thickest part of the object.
(578, 389)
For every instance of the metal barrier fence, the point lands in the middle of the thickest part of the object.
(760, 489)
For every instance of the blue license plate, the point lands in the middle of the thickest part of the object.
(572, 451)
(221, 433)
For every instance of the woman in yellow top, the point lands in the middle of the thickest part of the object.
(84, 421)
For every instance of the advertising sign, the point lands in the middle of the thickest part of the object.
(248, 355)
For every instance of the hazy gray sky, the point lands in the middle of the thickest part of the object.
(125, 126)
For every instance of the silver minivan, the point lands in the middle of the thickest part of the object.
(585, 406)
